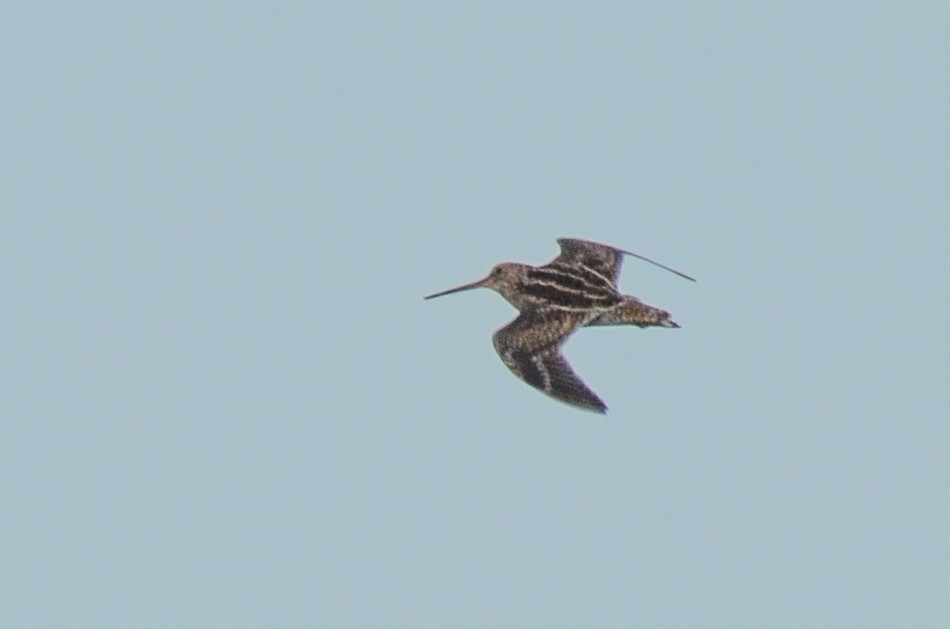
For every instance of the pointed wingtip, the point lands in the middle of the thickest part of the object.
(590, 407)
(594, 406)
(655, 263)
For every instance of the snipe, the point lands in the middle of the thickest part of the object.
(576, 289)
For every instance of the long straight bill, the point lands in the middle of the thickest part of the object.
(457, 289)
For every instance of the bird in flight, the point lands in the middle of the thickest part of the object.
(576, 289)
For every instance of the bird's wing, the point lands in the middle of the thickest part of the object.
(599, 258)
(530, 347)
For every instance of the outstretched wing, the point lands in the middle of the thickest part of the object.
(601, 259)
(530, 347)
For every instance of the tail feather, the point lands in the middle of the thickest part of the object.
(632, 311)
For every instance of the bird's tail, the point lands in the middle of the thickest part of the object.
(632, 311)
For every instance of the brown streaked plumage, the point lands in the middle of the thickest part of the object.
(576, 289)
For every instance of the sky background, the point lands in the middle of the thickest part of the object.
(225, 404)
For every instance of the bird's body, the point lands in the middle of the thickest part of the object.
(576, 289)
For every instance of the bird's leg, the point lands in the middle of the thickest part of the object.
(632, 311)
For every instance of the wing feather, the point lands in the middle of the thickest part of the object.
(530, 347)
(602, 259)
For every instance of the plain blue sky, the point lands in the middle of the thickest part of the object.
(225, 403)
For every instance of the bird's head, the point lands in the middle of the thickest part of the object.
(504, 279)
